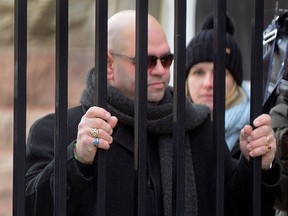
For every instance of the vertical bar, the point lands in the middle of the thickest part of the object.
(178, 157)
(101, 14)
(61, 96)
(140, 138)
(256, 97)
(20, 93)
(219, 98)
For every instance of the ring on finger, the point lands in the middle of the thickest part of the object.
(96, 142)
(268, 147)
(94, 132)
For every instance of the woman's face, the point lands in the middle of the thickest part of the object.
(200, 83)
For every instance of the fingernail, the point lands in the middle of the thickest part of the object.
(249, 147)
(256, 122)
(249, 138)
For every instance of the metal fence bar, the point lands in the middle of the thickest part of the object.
(140, 130)
(19, 111)
(256, 96)
(219, 98)
(178, 156)
(61, 88)
(101, 11)
(61, 105)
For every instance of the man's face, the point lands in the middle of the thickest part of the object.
(158, 75)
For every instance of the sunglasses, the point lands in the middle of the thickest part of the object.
(165, 60)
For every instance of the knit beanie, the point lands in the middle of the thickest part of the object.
(200, 49)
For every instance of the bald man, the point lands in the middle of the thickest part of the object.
(91, 128)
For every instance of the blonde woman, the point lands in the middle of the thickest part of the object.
(199, 81)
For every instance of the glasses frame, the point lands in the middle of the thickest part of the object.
(151, 59)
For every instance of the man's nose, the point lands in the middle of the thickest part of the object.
(158, 68)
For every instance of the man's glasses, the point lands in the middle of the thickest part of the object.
(165, 60)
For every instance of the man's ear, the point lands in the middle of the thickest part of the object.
(110, 64)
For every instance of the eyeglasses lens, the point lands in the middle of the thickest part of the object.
(166, 61)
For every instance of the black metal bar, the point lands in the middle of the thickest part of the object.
(20, 103)
(61, 105)
(219, 98)
(178, 156)
(101, 11)
(256, 97)
(140, 139)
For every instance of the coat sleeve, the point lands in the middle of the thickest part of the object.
(237, 178)
(39, 178)
(238, 186)
(238, 190)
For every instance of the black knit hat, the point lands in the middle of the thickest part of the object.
(200, 49)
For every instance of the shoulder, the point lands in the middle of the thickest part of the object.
(196, 115)
(201, 136)
(44, 126)
(47, 120)
(280, 109)
(279, 115)
(75, 114)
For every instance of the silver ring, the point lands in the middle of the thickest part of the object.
(96, 142)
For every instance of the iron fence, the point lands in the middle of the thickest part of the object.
(61, 89)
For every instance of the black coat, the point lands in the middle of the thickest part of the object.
(120, 174)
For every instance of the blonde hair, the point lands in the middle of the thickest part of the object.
(234, 97)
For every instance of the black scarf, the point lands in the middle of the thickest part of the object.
(160, 122)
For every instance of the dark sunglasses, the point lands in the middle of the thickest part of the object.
(165, 60)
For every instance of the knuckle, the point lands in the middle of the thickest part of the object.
(81, 124)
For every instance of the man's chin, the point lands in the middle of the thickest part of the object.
(154, 99)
